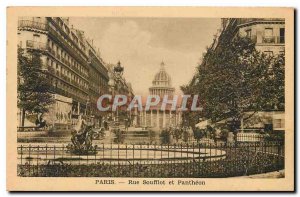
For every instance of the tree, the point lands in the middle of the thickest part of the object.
(198, 134)
(33, 84)
(177, 133)
(185, 136)
(275, 84)
(165, 136)
(235, 81)
(210, 132)
(190, 118)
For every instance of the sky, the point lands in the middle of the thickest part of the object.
(141, 44)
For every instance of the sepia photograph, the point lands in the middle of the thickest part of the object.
(161, 101)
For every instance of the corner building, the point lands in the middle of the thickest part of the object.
(268, 34)
(76, 71)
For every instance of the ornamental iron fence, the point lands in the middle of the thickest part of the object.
(153, 160)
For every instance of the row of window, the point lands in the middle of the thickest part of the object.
(268, 35)
(162, 83)
(67, 42)
(97, 82)
(69, 90)
(63, 72)
(66, 29)
(37, 22)
(66, 58)
(69, 36)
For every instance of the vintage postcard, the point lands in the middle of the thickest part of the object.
(150, 99)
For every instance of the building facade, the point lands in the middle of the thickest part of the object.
(155, 117)
(76, 71)
(267, 33)
(98, 83)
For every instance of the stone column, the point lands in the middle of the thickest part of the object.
(135, 116)
(142, 118)
(145, 118)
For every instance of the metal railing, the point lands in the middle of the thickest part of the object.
(32, 24)
(36, 45)
(273, 39)
(152, 160)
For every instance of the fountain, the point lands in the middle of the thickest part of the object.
(82, 142)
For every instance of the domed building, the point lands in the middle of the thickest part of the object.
(155, 117)
(162, 83)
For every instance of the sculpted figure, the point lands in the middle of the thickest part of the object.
(82, 137)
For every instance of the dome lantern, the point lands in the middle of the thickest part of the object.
(162, 78)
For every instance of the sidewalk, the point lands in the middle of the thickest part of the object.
(276, 174)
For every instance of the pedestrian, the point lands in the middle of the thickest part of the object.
(105, 124)
(126, 124)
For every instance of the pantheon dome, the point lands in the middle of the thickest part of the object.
(162, 83)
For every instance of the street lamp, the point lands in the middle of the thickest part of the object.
(118, 72)
(111, 84)
(130, 95)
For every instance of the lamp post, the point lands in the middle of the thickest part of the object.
(130, 96)
(115, 82)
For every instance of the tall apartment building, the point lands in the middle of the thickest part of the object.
(76, 71)
(98, 82)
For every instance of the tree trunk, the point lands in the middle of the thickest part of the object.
(22, 119)
(242, 124)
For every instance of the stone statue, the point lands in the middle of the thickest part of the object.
(82, 137)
